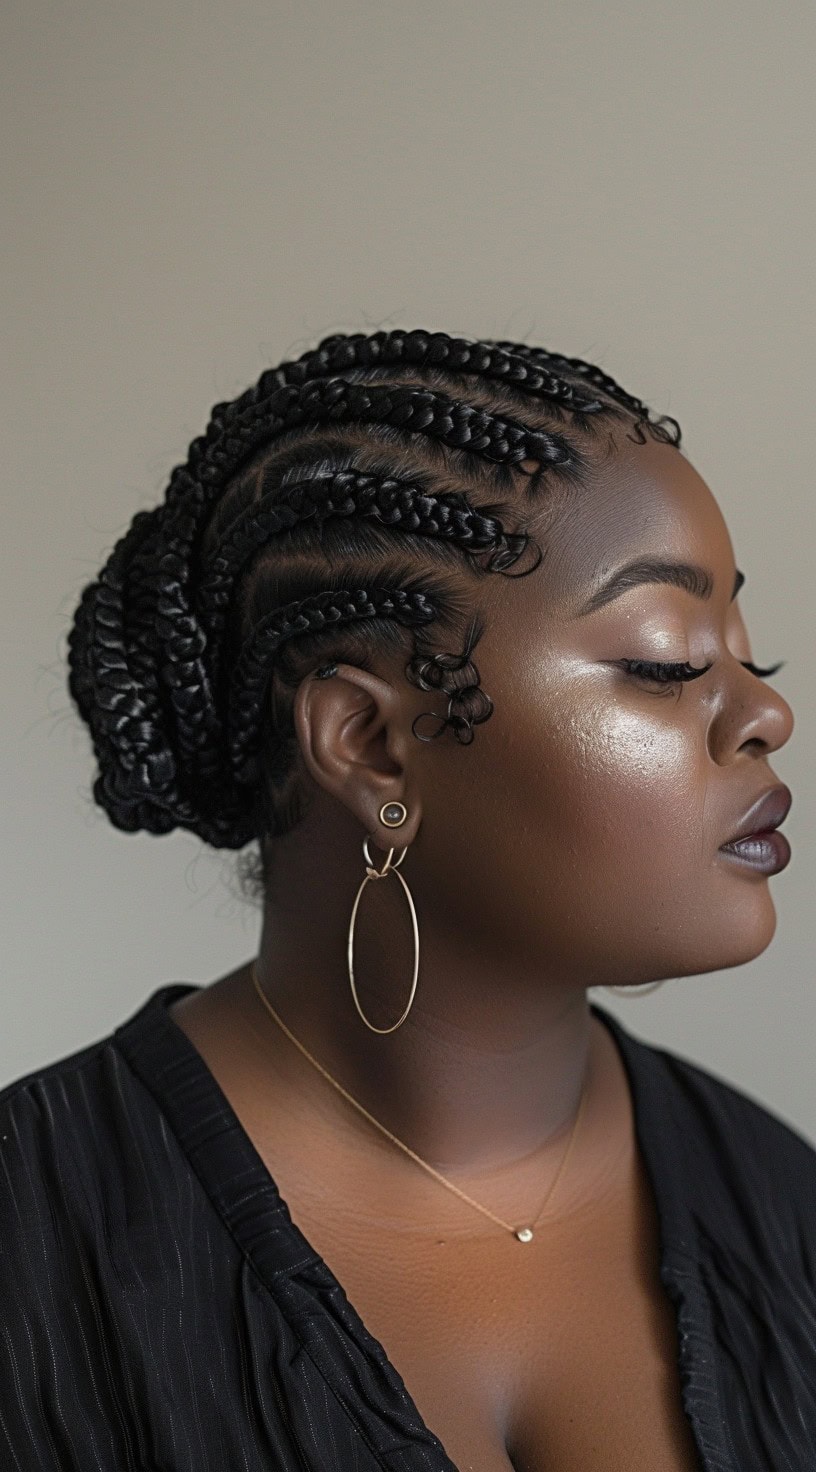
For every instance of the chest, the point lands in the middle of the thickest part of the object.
(552, 1357)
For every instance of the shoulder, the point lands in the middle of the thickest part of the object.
(54, 1126)
(85, 1153)
(739, 1125)
(699, 1097)
(731, 1161)
(75, 1105)
(52, 1215)
(42, 1096)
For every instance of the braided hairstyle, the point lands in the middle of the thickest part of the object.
(338, 508)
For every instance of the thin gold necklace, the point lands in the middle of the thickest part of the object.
(522, 1234)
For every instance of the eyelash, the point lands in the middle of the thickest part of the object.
(671, 674)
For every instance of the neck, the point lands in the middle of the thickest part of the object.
(487, 1069)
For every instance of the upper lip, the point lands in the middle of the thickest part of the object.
(768, 811)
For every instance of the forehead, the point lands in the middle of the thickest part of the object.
(643, 499)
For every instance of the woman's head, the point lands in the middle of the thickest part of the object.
(429, 515)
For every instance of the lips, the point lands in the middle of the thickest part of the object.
(767, 813)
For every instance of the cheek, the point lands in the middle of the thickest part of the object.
(575, 833)
(593, 744)
(610, 846)
(594, 812)
(570, 791)
(616, 792)
(579, 829)
(629, 778)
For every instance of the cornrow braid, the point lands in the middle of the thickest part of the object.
(665, 429)
(390, 501)
(296, 535)
(230, 439)
(497, 363)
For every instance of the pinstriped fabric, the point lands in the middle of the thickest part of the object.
(736, 1193)
(160, 1311)
(311, 1301)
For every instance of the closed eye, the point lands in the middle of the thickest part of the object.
(670, 674)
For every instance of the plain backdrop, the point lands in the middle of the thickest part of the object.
(193, 191)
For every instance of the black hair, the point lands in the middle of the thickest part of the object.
(348, 501)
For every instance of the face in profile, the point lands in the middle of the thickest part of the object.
(583, 825)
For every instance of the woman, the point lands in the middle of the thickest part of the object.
(395, 1194)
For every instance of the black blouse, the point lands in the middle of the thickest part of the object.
(161, 1312)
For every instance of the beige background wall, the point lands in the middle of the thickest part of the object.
(194, 190)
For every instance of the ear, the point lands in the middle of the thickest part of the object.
(354, 730)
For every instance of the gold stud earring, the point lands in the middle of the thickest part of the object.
(393, 814)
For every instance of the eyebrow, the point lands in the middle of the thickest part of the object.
(686, 575)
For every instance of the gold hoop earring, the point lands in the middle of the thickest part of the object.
(635, 991)
(390, 816)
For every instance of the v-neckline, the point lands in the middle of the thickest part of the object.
(250, 1204)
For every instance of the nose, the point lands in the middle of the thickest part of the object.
(751, 716)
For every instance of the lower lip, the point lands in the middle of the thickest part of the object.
(766, 852)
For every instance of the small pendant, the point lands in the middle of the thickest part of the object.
(524, 1234)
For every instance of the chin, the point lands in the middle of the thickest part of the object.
(742, 933)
